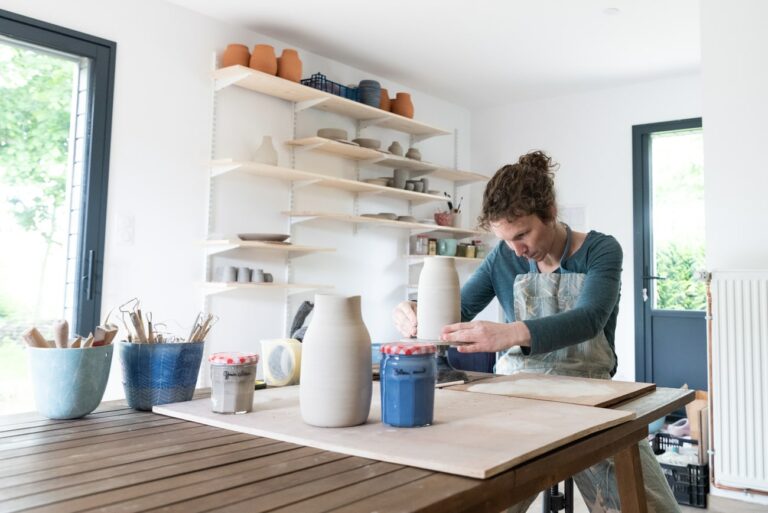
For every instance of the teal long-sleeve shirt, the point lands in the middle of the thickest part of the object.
(599, 257)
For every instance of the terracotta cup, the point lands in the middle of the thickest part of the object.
(263, 59)
(289, 65)
(235, 54)
(384, 102)
(403, 105)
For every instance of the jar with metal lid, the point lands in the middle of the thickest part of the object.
(408, 375)
(233, 376)
(422, 245)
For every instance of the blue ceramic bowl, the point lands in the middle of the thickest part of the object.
(159, 373)
(69, 383)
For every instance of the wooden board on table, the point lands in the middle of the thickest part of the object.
(474, 435)
(599, 393)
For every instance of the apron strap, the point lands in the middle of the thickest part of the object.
(534, 268)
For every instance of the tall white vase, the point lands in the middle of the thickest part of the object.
(335, 388)
(266, 152)
(439, 297)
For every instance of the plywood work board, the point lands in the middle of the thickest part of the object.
(474, 435)
(600, 393)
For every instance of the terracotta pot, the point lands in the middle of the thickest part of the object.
(403, 105)
(335, 388)
(289, 65)
(439, 297)
(384, 104)
(235, 54)
(263, 59)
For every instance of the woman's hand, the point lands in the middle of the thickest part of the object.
(404, 316)
(485, 336)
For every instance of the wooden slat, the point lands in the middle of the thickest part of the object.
(103, 493)
(113, 435)
(64, 477)
(217, 493)
(43, 426)
(25, 420)
(73, 432)
(356, 492)
(314, 488)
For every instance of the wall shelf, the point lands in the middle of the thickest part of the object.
(213, 288)
(417, 167)
(308, 97)
(221, 167)
(300, 217)
(219, 246)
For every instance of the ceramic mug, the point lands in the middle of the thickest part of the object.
(257, 276)
(230, 274)
(447, 247)
(243, 275)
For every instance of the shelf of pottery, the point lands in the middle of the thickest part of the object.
(410, 180)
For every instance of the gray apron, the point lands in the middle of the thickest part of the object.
(540, 295)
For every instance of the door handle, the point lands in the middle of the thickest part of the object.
(88, 276)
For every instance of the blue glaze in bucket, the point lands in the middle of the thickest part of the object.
(159, 373)
(408, 389)
(69, 382)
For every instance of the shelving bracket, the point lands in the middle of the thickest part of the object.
(233, 78)
(365, 123)
(308, 104)
(300, 184)
(221, 167)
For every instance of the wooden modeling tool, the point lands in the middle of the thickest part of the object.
(76, 343)
(34, 338)
(61, 333)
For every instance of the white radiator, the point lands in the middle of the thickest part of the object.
(739, 379)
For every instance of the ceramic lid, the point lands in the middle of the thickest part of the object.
(408, 349)
(233, 358)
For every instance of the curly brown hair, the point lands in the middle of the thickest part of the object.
(521, 189)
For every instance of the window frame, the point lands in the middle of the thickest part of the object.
(102, 53)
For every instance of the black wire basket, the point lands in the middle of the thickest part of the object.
(320, 81)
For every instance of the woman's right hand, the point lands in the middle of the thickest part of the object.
(404, 316)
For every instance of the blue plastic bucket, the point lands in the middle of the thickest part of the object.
(159, 373)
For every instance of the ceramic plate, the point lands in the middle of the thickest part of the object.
(264, 237)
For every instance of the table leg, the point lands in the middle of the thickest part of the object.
(629, 476)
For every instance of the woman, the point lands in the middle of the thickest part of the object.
(560, 293)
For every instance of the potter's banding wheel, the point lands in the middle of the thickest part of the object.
(445, 371)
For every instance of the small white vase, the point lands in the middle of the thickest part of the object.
(439, 297)
(266, 153)
(335, 388)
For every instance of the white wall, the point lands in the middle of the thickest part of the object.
(161, 139)
(590, 135)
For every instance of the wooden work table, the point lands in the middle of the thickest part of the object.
(119, 459)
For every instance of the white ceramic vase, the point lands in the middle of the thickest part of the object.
(335, 388)
(266, 153)
(439, 297)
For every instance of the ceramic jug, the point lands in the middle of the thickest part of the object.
(402, 105)
(335, 388)
(289, 65)
(265, 153)
(263, 59)
(439, 297)
(384, 101)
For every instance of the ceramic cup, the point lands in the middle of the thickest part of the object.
(400, 176)
(257, 276)
(69, 383)
(230, 274)
(418, 186)
(243, 274)
(447, 247)
(268, 278)
(409, 185)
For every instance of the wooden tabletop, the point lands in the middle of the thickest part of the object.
(119, 459)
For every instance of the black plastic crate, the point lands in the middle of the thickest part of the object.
(689, 484)
(663, 441)
(320, 81)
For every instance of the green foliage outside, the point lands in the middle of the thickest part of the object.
(35, 101)
(677, 263)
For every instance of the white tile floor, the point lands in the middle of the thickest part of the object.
(714, 505)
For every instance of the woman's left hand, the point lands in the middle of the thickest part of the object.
(486, 336)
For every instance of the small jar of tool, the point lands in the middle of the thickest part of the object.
(408, 376)
(232, 381)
